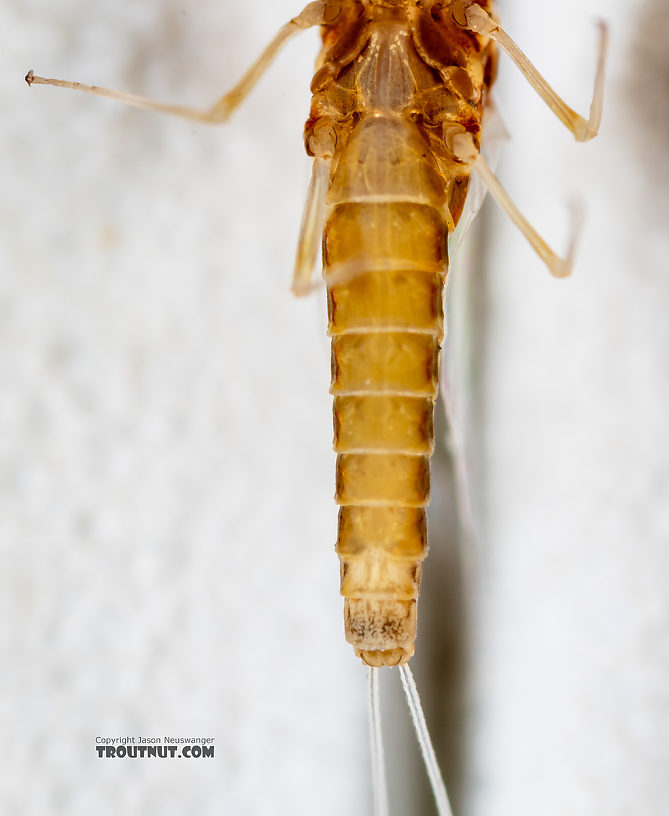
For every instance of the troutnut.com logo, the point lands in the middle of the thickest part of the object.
(154, 747)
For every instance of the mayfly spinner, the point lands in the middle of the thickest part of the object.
(399, 95)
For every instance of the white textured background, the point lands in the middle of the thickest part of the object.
(166, 520)
(572, 651)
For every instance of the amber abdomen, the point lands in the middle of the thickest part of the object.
(384, 253)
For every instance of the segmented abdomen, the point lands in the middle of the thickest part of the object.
(385, 262)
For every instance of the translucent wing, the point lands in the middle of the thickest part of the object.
(455, 367)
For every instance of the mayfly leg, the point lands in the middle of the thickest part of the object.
(322, 146)
(461, 143)
(472, 16)
(314, 14)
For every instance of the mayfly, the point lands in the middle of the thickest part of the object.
(399, 94)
